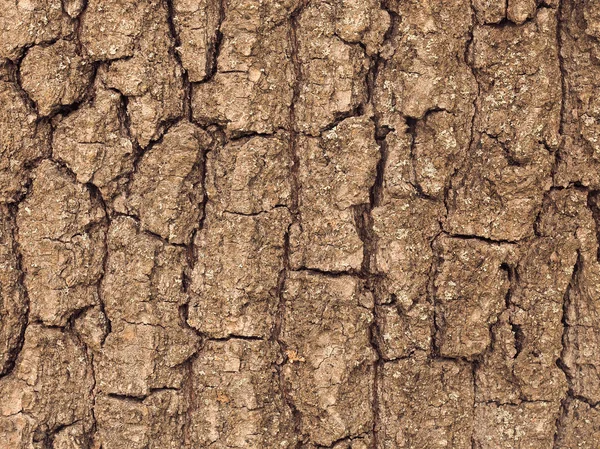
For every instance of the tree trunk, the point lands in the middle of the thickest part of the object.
(299, 224)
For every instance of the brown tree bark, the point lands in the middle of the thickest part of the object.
(299, 224)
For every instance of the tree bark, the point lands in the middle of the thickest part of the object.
(299, 224)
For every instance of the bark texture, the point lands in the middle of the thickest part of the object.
(341, 224)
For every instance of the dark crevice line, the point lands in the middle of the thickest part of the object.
(276, 333)
(473, 135)
(364, 225)
(564, 354)
(363, 215)
(431, 295)
(593, 203)
(564, 91)
(219, 139)
(339, 117)
(566, 401)
(411, 130)
(276, 336)
(13, 356)
(16, 72)
(176, 42)
(480, 238)
(336, 274)
(214, 48)
(97, 195)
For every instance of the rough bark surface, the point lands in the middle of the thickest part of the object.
(341, 224)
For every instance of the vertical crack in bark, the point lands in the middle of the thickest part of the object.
(411, 129)
(565, 402)
(561, 64)
(431, 293)
(517, 331)
(364, 225)
(97, 195)
(187, 87)
(564, 91)
(10, 363)
(593, 204)
(561, 362)
(467, 58)
(281, 283)
(363, 216)
(215, 48)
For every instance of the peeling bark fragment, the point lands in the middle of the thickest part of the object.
(404, 225)
(251, 91)
(521, 363)
(148, 343)
(146, 271)
(424, 67)
(110, 29)
(544, 273)
(155, 423)
(50, 388)
(71, 437)
(250, 176)
(404, 229)
(55, 76)
(237, 397)
(13, 302)
(580, 156)
(336, 173)
(524, 426)
(361, 21)
(236, 273)
(333, 73)
(151, 77)
(438, 150)
(518, 11)
(581, 427)
(495, 379)
(495, 198)
(92, 327)
(166, 191)
(94, 144)
(497, 195)
(61, 238)
(520, 94)
(22, 141)
(490, 11)
(403, 331)
(27, 22)
(240, 249)
(137, 358)
(330, 376)
(426, 404)
(582, 361)
(74, 7)
(471, 286)
(528, 341)
(398, 170)
(196, 23)
(581, 340)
